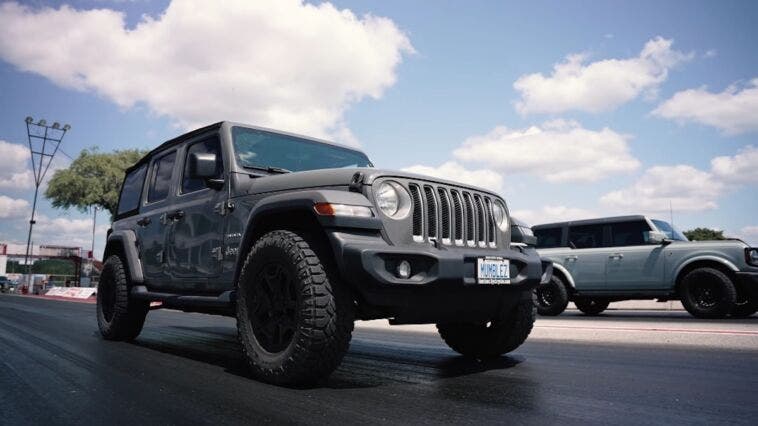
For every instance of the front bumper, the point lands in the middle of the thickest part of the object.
(442, 284)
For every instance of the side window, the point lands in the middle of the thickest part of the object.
(629, 233)
(160, 178)
(207, 146)
(548, 237)
(586, 236)
(131, 191)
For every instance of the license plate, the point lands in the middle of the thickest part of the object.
(493, 270)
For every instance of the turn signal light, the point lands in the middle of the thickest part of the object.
(330, 209)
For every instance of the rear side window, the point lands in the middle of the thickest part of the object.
(629, 233)
(131, 191)
(549, 237)
(160, 178)
(208, 146)
(586, 236)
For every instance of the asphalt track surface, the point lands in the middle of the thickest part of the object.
(188, 369)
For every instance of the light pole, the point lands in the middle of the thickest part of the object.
(44, 141)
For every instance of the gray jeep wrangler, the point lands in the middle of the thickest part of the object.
(599, 261)
(298, 237)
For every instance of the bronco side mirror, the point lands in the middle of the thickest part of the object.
(657, 237)
(203, 166)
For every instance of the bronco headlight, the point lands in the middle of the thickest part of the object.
(751, 256)
(498, 213)
(393, 200)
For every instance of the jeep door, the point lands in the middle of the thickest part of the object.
(195, 243)
(633, 264)
(586, 262)
(155, 218)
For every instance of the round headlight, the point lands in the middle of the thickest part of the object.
(501, 219)
(387, 199)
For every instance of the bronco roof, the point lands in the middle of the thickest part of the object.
(597, 221)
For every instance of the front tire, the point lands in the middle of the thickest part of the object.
(490, 340)
(745, 305)
(119, 317)
(708, 293)
(591, 306)
(551, 297)
(293, 319)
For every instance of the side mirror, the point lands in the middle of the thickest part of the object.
(657, 237)
(203, 166)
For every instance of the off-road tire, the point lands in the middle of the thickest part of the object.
(719, 300)
(552, 297)
(323, 316)
(591, 306)
(119, 317)
(490, 340)
(745, 305)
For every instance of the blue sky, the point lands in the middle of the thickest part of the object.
(420, 88)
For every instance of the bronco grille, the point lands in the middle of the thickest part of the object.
(452, 216)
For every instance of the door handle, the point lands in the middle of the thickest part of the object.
(616, 256)
(144, 222)
(571, 258)
(176, 215)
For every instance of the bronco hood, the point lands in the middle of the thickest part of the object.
(329, 178)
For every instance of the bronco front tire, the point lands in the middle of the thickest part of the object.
(708, 293)
(294, 321)
(551, 297)
(119, 317)
(489, 340)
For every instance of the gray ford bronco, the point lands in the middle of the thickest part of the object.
(604, 260)
(298, 237)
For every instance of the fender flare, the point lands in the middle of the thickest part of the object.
(127, 240)
(565, 273)
(711, 258)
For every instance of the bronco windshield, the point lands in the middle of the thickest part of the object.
(258, 149)
(671, 232)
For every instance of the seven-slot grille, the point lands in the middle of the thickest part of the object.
(451, 215)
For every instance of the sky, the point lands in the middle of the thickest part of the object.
(568, 109)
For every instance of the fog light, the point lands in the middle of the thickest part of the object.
(403, 269)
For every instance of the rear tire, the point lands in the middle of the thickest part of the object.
(293, 319)
(119, 317)
(551, 297)
(708, 293)
(490, 340)
(591, 306)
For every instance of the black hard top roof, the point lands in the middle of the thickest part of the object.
(602, 220)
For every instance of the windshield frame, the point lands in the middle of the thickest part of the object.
(282, 168)
(672, 234)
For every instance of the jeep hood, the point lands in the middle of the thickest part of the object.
(250, 184)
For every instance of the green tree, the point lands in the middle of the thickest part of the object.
(704, 234)
(93, 179)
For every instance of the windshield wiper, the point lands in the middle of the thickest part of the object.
(269, 169)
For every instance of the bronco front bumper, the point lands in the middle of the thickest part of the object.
(442, 284)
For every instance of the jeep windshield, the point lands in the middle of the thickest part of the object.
(671, 232)
(278, 153)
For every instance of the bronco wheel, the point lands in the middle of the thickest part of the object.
(591, 306)
(708, 293)
(489, 340)
(745, 305)
(551, 297)
(294, 320)
(119, 317)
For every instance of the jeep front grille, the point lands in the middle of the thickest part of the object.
(452, 216)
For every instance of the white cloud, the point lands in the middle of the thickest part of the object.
(749, 234)
(598, 86)
(558, 151)
(451, 170)
(68, 232)
(277, 63)
(740, 168)
(552, 213)
(733, 111)
(12, 208)
(684, 187)
(15, 172)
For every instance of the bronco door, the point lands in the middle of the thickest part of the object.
(586, 262)
(197, 229)
(633, 264)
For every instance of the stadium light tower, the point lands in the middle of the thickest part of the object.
(44, 142)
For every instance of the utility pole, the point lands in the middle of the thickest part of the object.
(44, 142)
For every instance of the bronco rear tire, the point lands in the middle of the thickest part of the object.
(551, 297)
(293, 319)
(489, 340)
(708, 293)
(119, 317)
(591, 306)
